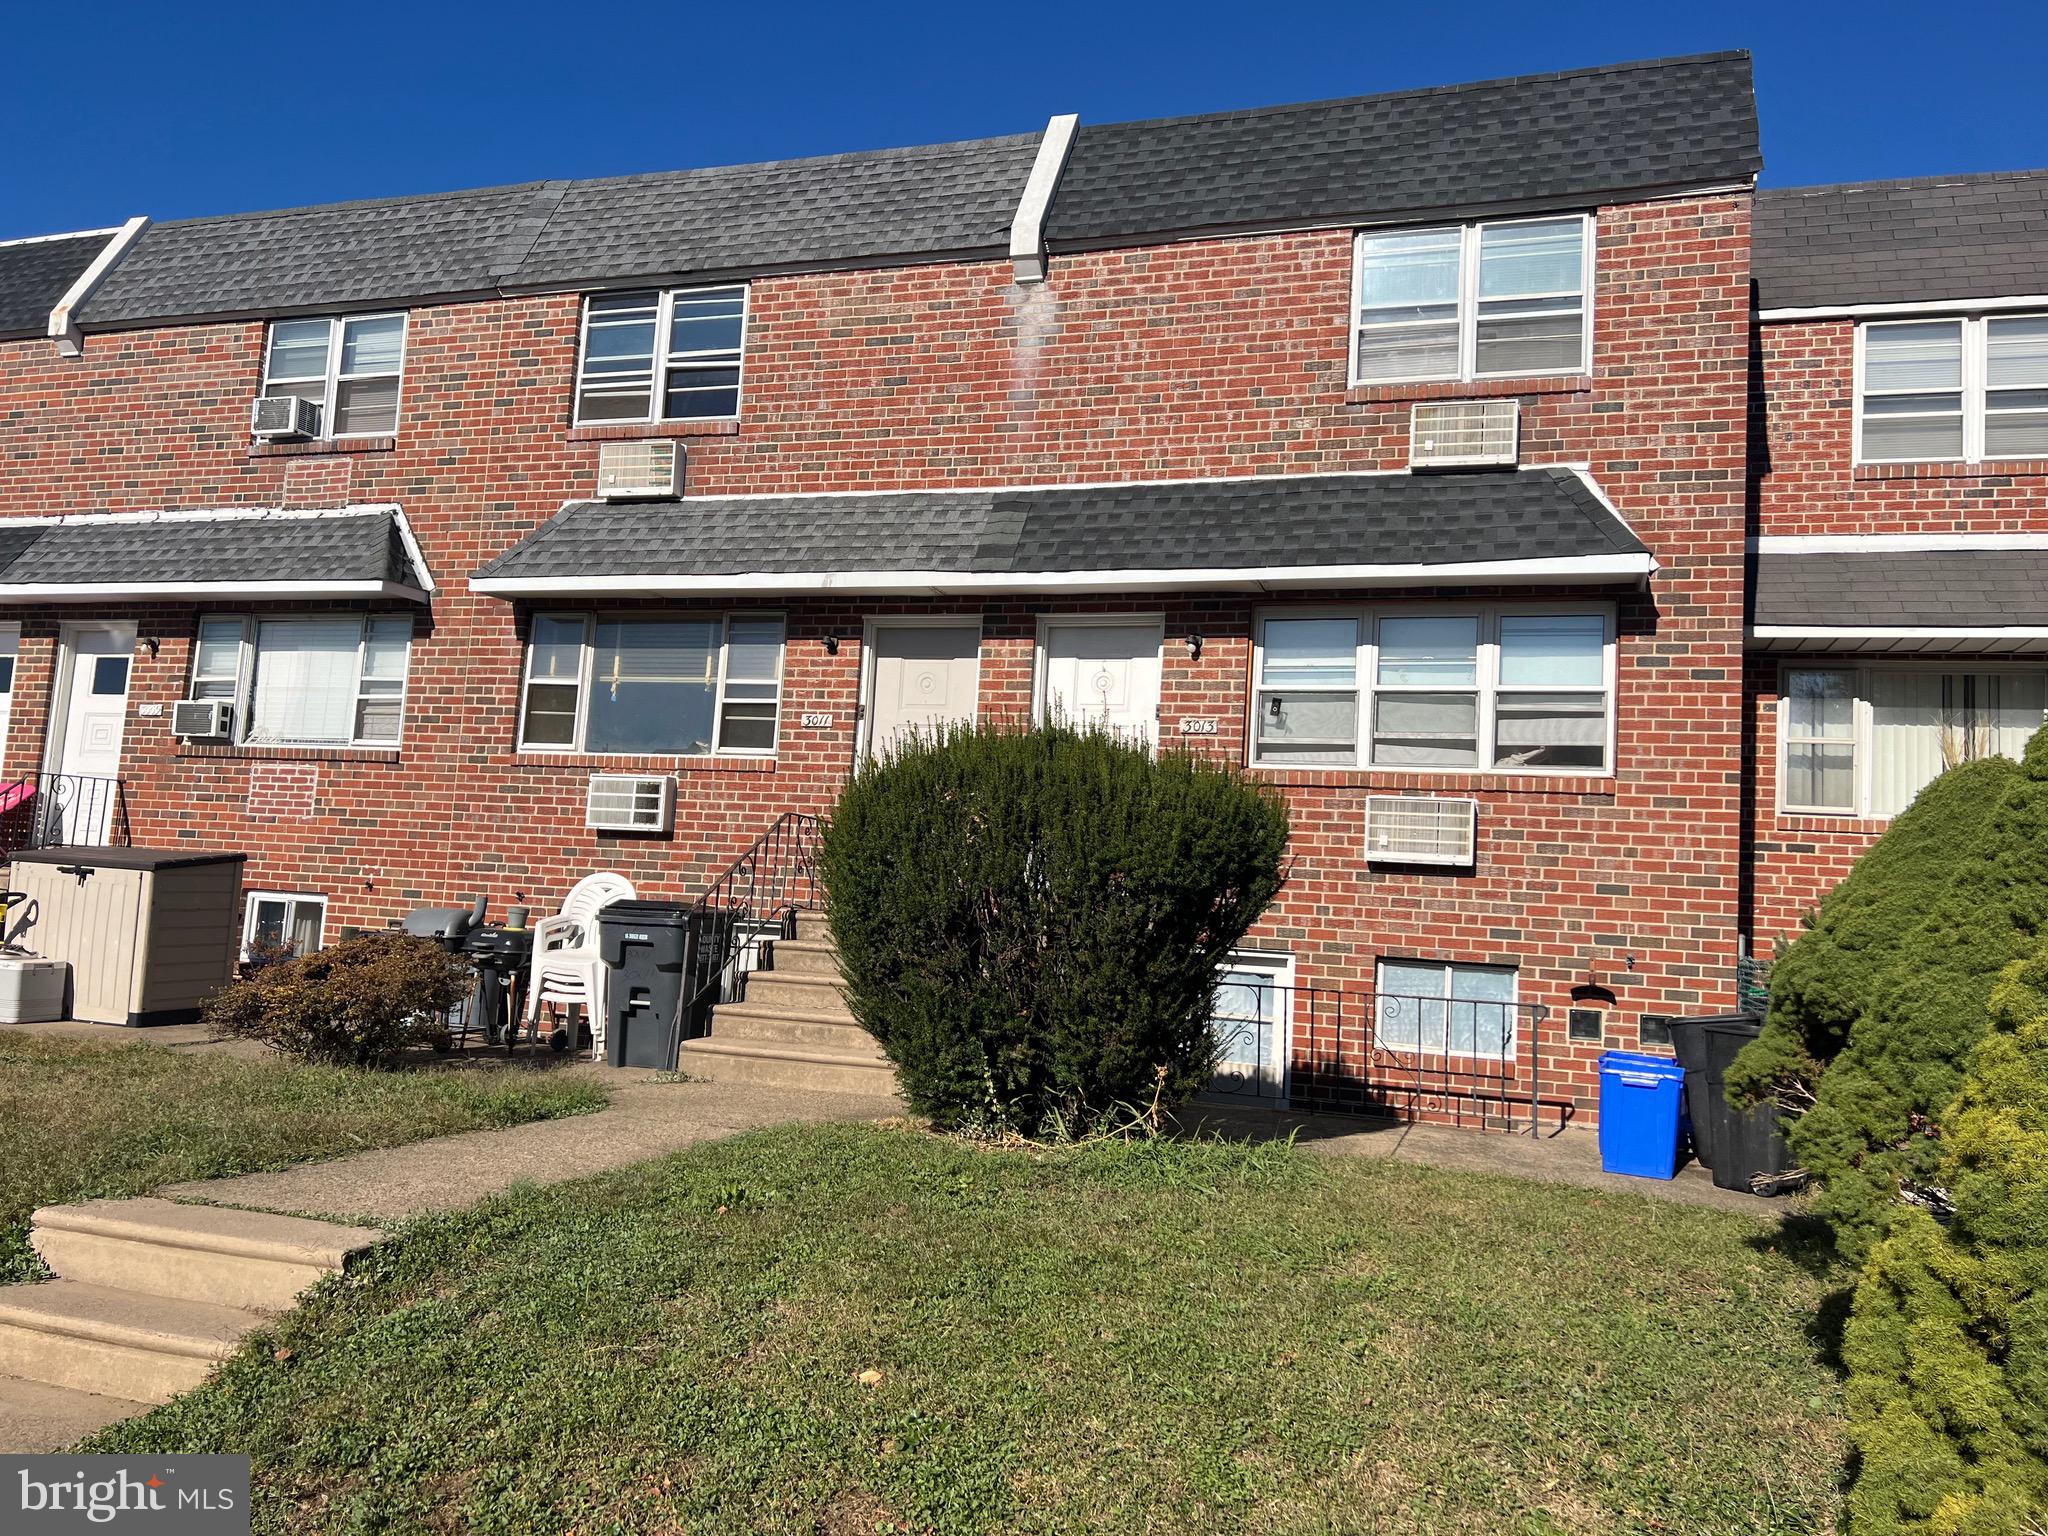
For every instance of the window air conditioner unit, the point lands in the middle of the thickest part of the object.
(1463, 434)
(275, 416)
(203, 719)
(1421, 829)
(622, 802)
(636, 471)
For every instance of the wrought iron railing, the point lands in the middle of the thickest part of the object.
(46, 810)
(1352, 1051)
(757, 898)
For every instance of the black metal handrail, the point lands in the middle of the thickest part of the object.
(1349, 1050)
(45, 810)
(756, 898)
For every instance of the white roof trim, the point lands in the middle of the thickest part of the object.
(1577, 568)
(68, 234)
(63, 324)
(1889, 543)
(1027, 229)
(121, 591)
(1910, 307)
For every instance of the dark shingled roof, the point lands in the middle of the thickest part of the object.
(1562, 138)
(1894, 242)
(1274, 522)
(1535, 138)
(174, 547)
(1903, 589)
(35, 274)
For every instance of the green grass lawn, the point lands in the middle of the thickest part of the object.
(1176, 1338)
(81, 1119)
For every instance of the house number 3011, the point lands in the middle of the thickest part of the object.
(817, 722)
(1197, 725)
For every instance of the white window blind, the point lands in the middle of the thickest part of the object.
(305, 688)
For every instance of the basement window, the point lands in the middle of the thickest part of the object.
(279, 924)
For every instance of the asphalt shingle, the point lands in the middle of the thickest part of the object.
(174, 547)
(1891, 242)
(35, 274)
(1194, 526)
(1905, 589)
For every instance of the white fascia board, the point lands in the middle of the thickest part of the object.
(1889, 543)
(202, 515)
(1563, 571)
(140, 591)
(413, 553)
(63, 324)
(1027, 229)
(1911, 307)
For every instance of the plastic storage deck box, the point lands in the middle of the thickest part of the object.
(31, 990)
(150, 933)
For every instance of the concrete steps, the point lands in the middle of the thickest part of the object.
(149, 1297)
(793, 1030)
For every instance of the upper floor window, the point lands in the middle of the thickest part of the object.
(333, 681)
(1500, 299)
(348, 368)
(1865, 741)
(598, 683)
(1968, 389)
(1513, 691)
(662, 356)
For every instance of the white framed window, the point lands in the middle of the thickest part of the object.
(1863, 741)
(349, 367)
(651, 686)
(1500, 298)
(1434, 1008)
(283, 923)
(662, 355)
(1954, 389)
(1499, 688)
(1250, 1018)
(336, 680)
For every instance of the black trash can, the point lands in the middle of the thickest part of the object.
(647, 946)
(1746, 1142)
(710, 947)
(1689, 1044)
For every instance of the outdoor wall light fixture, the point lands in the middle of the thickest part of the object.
(153, 643)
(1194, 645)
(831, 645)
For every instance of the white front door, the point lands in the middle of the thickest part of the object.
(82, 804)
(1103, 672)
(1249, 1019)
(924, 676)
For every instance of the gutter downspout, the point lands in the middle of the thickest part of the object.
(1027, 230)
(63, 327)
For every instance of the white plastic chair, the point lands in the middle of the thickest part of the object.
(567, 967)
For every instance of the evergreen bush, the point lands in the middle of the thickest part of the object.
(1826, 978)
(361, 1002)
(1947, 1346)
(1874, 1129)
(1030, 922)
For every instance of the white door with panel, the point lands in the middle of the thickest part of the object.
(1103, 673)
(83, 803)
(924, 676)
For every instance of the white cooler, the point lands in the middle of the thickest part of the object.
(31, 990)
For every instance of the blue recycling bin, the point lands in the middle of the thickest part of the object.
(1641, 1101)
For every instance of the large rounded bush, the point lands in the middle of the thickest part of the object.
(1030, 921)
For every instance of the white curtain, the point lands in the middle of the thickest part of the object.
(305, 680)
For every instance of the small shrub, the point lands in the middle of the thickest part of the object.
(360, 1003)
(1947, 1347)
(1030, 921)
(1827, 977)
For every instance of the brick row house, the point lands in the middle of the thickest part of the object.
(1425, 454)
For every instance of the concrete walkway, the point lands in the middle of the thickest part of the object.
(645, 1119)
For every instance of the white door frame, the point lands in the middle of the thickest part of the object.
(1047, 622)
(60, 685)
(872, 624)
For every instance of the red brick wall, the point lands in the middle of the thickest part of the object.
(1205, 358)
(1808, 483)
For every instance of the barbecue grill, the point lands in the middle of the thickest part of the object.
(500, 956)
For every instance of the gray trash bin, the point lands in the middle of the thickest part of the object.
(646, 945)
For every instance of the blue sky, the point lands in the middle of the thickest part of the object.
(173, 109)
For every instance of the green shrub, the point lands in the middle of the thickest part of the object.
(1030, 921)
(361, 1002)
(1874, 1129)
(1947, 1347)
(1826, 978)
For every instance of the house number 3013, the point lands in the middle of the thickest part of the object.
(1197, 725)
(817, 722)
